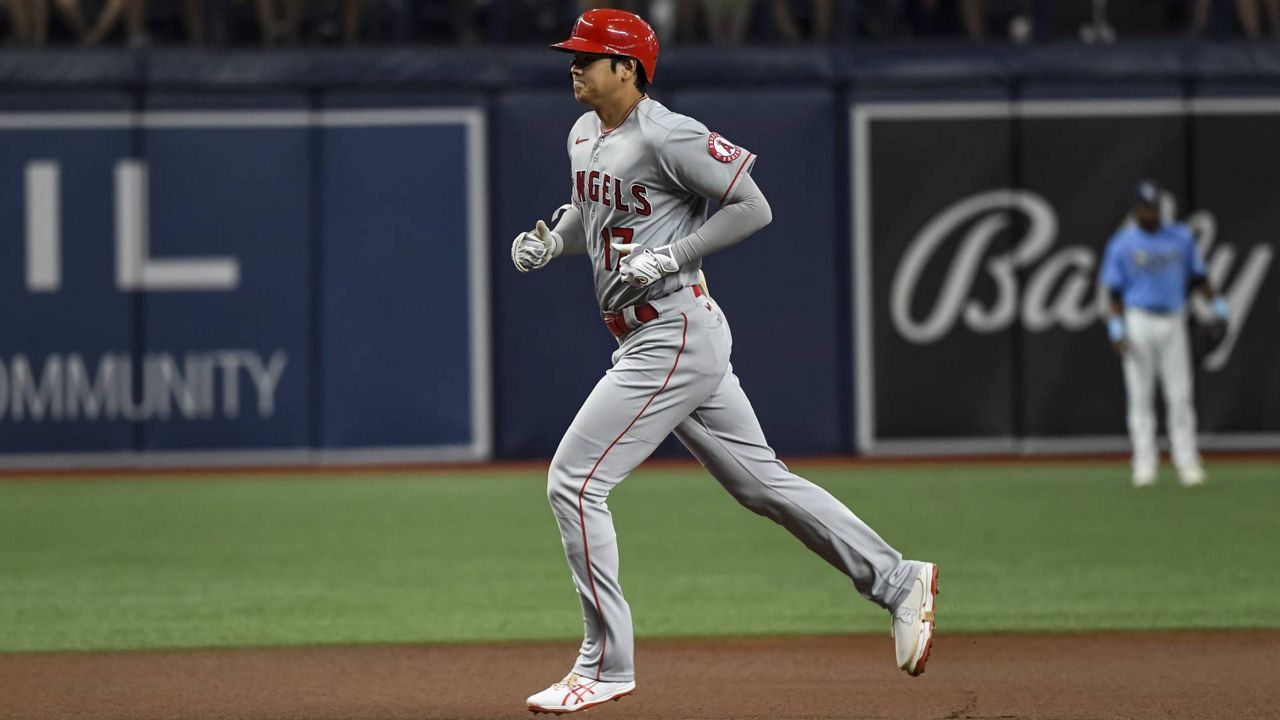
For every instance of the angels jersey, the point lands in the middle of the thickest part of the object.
(647, 182)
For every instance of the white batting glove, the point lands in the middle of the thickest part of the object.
(532, 250)
(640, 266)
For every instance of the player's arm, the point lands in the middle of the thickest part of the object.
(1199, 280)
(744, 212)
(703, 164)
(569, 228)
(534, 249)
(1202, 284)
(1113, 278)
(1218, 327)
(706, 164)
(1115, 321)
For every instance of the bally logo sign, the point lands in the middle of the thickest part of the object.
(978, 233)
(1060, 288)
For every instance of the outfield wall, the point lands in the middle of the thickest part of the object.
(303, 257)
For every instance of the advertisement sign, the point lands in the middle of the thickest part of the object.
(206, 286)
(978, 229)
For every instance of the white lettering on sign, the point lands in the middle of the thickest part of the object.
(1240, 294)
(44, 233)
(90, 396)
(990, 213)
(64, 388)
(1061, 288)
(136, 269)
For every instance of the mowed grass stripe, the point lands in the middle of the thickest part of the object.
(297, 560)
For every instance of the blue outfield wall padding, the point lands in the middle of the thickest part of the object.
(60, 339)
(382, 99)
(350, 248)
(225, 186)
(551, 346)
(397, 302)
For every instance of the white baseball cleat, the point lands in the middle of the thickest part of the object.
(1191, 475)
(575, 693)
(912, 627)
(1144, 479)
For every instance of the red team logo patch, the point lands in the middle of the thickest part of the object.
(721, 149)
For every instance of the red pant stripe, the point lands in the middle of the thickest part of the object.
(591, 579)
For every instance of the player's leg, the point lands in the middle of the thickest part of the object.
(1139, 384)
(1175, 379)
(724, 434)
(657, 380)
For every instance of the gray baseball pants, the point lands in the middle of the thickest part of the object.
(673, 374)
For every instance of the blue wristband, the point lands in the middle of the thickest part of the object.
(1115, 328)
(1220, 307)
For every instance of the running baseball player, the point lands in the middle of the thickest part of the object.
(642, 179)
(1148, 269)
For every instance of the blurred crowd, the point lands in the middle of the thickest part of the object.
(239, 23)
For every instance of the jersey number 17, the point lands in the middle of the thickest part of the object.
(624, 236)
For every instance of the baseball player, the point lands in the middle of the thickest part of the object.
(642, 179)
(1148, 269)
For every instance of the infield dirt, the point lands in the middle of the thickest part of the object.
(1203, 675)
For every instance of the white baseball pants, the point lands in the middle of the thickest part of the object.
(673, 374)
(1158, 348)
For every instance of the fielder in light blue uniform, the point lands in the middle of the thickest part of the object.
(1149, 268)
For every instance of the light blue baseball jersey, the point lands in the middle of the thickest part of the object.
(1152, 270)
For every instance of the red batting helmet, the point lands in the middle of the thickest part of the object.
(614, 32)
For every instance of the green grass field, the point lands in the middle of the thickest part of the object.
(298, 560)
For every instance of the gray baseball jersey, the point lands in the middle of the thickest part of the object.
(647, 182)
